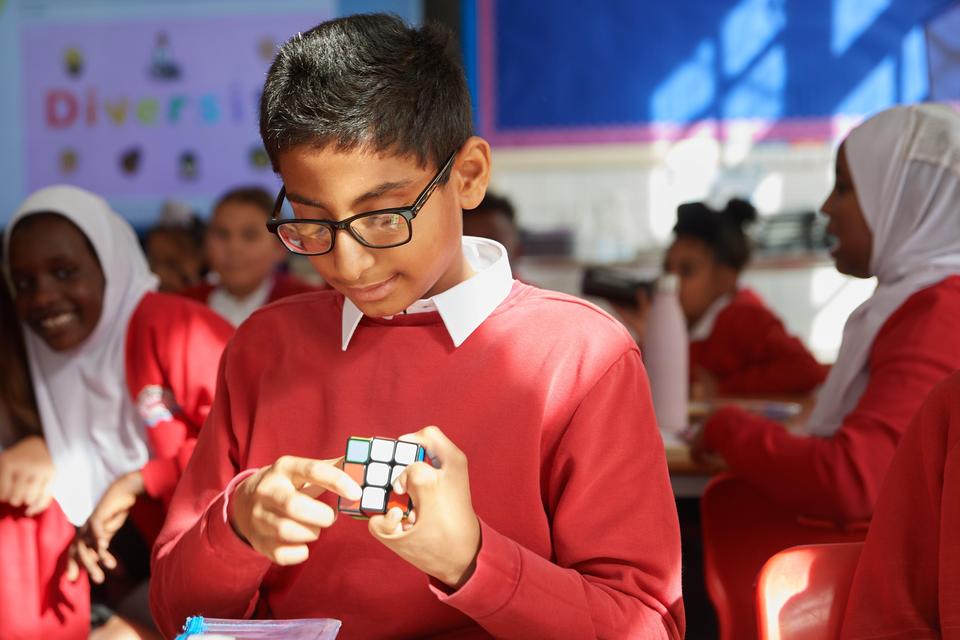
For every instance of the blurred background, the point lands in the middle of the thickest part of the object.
(603, 116)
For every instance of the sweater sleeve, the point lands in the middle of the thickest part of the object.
(839, 477)
(616, 571)
(198, 534)
(770, 359)
(905, 585)
(173, 349)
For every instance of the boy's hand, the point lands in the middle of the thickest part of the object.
(26, 475)
(275, 510)
(442, 538)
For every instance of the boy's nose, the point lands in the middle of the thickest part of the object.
(351, 258)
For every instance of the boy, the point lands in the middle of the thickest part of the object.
(244, 256)
(564, 525)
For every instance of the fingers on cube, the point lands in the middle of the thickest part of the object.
(399, 501)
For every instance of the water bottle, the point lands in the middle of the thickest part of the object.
(665, 355)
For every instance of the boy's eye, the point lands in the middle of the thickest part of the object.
(22, 284)
(64, 273)
(251, 235)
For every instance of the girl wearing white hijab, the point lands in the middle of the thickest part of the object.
(895, 213)
(123, 376)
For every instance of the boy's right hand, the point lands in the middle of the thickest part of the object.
(276, 512)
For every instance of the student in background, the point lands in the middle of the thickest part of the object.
(907, 583)
(893, 212)
(737, 345)
(494, 218)
(244, 257)
(543, 393)
(124, 377)
(174, 248)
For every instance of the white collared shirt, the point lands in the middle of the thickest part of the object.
(462, 307)
(236, 310)
(704, 326)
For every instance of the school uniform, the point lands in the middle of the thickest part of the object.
(236, 310)
(131, 397)
(544, 393)
(907, 582)
(838, 478)
(742, 344)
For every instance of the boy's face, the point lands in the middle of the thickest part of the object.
(57, 279)
(702, 279)
(239, 247)
(384, 282)
(172, 260)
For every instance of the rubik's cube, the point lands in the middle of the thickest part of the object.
(374, 464)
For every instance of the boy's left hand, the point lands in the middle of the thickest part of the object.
(442, 537)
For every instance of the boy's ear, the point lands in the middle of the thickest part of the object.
(472, 169)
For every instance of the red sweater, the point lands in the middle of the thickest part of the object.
(839, 477)
(173, 349)
(750, 352)
(907, 583)
(549, 400)
(283, 285)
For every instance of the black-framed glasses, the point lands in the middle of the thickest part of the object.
(380, 229)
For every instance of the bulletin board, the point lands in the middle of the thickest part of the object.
(636, 71)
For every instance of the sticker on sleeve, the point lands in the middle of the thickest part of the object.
(156, 404)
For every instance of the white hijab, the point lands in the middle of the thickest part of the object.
(90, 423)
(905, 165)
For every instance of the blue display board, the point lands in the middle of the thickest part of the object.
(636, 70)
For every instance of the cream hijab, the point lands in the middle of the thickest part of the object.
(905, 165)
(90, 423)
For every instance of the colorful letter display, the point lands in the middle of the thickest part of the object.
(374, 463)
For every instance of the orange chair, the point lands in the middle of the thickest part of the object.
(742, 529)
(802, 592)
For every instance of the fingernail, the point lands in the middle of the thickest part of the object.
(398, 487)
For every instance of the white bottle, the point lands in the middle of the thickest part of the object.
(665, 355)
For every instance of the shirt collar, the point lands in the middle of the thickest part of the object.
(235, 309)
(462, 307)
(704, 326)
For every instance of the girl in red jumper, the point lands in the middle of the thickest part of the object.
(737, 345)
(893, 212)
(244, 256)
(123, 377)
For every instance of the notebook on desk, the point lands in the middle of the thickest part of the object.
(201, 628)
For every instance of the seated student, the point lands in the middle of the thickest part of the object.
(737, 345)
(907, 583)
(494, 218)
(893, 211)
(174, 248)
(36, 599)
(564, 525)
(123, 377)
(244, 257)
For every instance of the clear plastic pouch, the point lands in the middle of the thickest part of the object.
(201, 628)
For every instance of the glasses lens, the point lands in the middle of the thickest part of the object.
(305, 237)
(382, 230)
